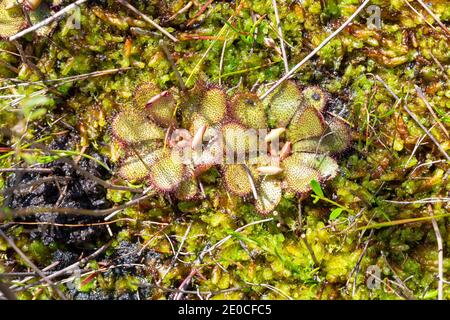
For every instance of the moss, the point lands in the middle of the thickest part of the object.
(385, 161)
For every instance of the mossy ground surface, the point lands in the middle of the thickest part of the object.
(156, 245)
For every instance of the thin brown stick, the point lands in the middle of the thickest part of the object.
(427, 104)
(440, 255)
(317, 49)
(47, 21)
(419, 14)
(310, 249)
(26, 61)
(221, 242)
(252, 183)
(9, 66)
(199, 13)
(414, 117)
(174, 259)
(405, 291)
(101, 182)
(280, 35)
(89, 175)
(71, 267)
(434, 17)
(34, 183)
(31, 264)
(36, 170)
(20, 212)
(147, 19)
(182, 10)
(172, 64)
(26, 279)
(222, 56)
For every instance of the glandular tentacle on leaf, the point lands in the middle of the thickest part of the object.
(314, 97)
(248, 110)
(236, 180)
(269, 195)
(167, 171)
(305, 124)
(283, 103)
(213, 106)
(132, 127)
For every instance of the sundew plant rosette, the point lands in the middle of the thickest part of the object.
(261, 148)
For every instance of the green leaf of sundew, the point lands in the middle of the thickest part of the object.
(236, 179)
(187, 190)
(136, 167)
(237, 138)
(335, 213)
(336, 138)
(305, 124)
(248, 110)
(167, 171)
(161, 107)
(315, 97)
(214, 105)
(316, 188)
(133, 127)
(269, 195)
(298, 175)
(283, 103)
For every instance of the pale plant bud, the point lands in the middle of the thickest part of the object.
(198, 137)
(269, 170)
(274, 134)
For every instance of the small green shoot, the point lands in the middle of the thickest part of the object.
(319, 195)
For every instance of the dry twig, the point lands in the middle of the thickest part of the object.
(317, 49)
(147, 19)
(440, 255)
